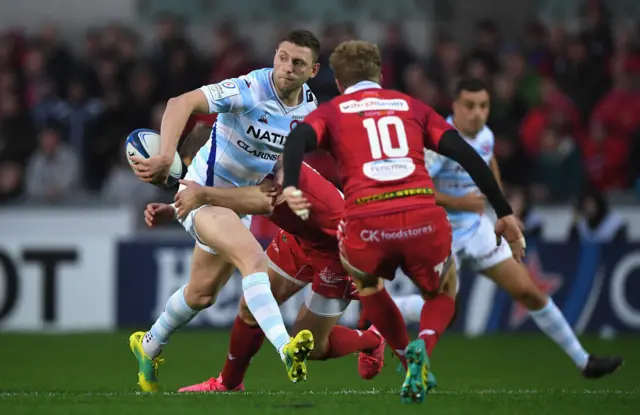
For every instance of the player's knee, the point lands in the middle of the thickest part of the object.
(245, 314)
(531, 297)
(252, 263)
(198, 299)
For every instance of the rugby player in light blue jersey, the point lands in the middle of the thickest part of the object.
(474, 240)
(256, 113)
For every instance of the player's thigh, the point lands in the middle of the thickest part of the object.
(209, 273)
(482, 251)
(221, 229)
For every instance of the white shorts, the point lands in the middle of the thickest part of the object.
(189, 223)
(480, 250)
(323, 306)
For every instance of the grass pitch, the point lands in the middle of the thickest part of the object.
(506, 374)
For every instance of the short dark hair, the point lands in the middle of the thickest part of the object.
(303, 38)
(194, 141)
(471, 85)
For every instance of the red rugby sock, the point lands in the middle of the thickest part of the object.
(383, 313)
(245, 342)
(344, 341)
(435, 317)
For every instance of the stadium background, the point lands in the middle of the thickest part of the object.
(77, 75)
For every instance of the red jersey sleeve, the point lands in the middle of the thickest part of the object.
(318, 121)
(434, 126)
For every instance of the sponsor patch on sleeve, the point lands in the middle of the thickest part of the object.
(222, 90)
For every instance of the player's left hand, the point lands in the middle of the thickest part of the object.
(157, 214)
(189, 198)
(509, 228)
(152, 170)
(297, 202)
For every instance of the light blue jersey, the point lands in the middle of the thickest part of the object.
(451, 179)
(250, 131)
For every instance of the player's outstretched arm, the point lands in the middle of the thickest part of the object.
(249, 200)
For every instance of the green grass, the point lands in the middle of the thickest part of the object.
(96, 374)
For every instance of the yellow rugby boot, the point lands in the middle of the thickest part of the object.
(147, 367)
(296, 353)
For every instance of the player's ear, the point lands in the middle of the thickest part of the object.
(315, 70)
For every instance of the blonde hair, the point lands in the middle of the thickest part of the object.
(354, 61)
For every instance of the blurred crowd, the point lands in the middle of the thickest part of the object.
(565, 106)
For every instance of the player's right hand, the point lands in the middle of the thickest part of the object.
(188, 198)
(152, 170)
(508, 227)
(157, 214)
(297, 202)
(472, 202)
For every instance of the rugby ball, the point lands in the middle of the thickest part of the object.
(146, 143)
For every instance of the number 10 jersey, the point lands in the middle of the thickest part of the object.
(378, 137)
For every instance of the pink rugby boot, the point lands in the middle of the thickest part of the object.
(212, 385)
(370, 364)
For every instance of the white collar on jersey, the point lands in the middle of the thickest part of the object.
(362, 85)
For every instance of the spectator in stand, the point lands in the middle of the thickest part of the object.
(595, 222)
(536, 49)
(396, 57)
(598, 34)
(53, 171)
(77, 118)
(527, 81)
(581, 75)
(558, 173)
(487, 39)
(605, 158)
(425, 90)
(444, 67)
(555, 111)
(477, 69)
(231, 55)
(619, 110)
(515, 164)
(58, 58)
(17, 143)
(507, 108)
